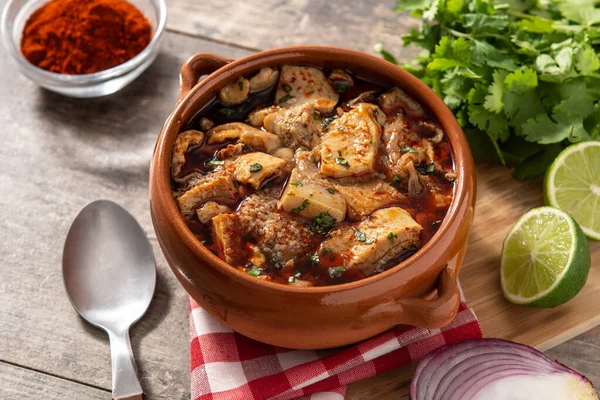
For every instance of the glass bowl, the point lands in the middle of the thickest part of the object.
(14, 17)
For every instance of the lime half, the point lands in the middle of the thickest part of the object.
(573, 185)
(545, 259)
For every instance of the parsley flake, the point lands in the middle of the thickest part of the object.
(322, 223)
(296, 184)
(391, 236)
(316, 115)
(396, 183)
(255, 167)
(286, 88)
(362, 237)
(302, 206)
(336, 272)
(254, 270)
(340, 87)
(241, 85)
(226, 111)
(314, 258)
(408, 149)
(425, 169)
(331, 191)
(325, 250)
(343, 162)
(214, 162)
(284, 99)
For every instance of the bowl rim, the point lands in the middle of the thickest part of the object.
(81, 79)
(162, 156)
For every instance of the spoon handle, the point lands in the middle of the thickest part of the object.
(126, 385)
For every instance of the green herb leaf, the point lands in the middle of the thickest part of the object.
(254, 270)
(336, 272)
(284, 99)
(214, 162)
(241, 85)
(391, 236)
(396, 182)
(255, 167)
(286, 88)
(226, 111)
(408, 149)
(331, 191)
(362, 237)
(340, 87)
(322, 223)
(328, 120)
(314, 258)
(316, 115)
(296, 184)
(302, 206)
(425, 169)
(325, 250)
(343, 162)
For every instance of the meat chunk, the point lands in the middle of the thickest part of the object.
(281, 238)
(265, 78)
(396, 99)
(349, 147)
(226, 232)
(209, 210)
(218, 185)
(364, 198)
(182, 143)
(376, 241)
(232, 150)
(256, 117)
(301, 85)
(255, 168)
(246, 134)
(235, 93)
(296, 127)
(308, 194)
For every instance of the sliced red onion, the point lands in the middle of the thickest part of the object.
(495, 369)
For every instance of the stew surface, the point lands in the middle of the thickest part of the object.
(312, 177)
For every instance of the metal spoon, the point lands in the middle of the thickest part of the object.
(109, 275)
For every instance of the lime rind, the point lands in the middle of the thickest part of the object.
(521, 236)
(577, 171)
(558, 269)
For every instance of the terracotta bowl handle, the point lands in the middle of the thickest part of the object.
(434, 313)
(197, 65)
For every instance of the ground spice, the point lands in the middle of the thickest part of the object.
(84, 36)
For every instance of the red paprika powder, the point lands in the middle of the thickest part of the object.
(84, 36)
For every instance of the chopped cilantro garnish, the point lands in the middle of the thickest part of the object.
(226, 111)
(292, 278)
(339, 153)
(391, 236)
(322, 223)
(214, 162)
(241, 85)
(340, 87)
(343, 162)
(316, 115)
(286, 88)
(296, 184)
(328, 155)
(255, 167)
(336, 272)
(314, 258)
(425, 169)
(408, 149)
(362, 237)
(328, 121)
(285, 98)
(331, 191)
(254, 270)
(302, 206)
(396, 183)
(325, 250)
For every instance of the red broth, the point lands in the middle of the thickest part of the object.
(422, 207)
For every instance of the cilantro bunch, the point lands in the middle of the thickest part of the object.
(521, 76)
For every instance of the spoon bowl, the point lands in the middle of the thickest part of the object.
(110, 276)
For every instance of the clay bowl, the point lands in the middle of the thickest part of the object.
(420, 291)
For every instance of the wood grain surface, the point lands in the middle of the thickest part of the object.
(58, 154)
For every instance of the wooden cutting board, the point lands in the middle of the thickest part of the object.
(501, 200)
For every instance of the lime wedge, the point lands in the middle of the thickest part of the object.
(573, 185)
(545, 259)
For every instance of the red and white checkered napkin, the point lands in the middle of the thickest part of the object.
(229, 366)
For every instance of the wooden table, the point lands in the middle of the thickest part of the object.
(57, 154)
